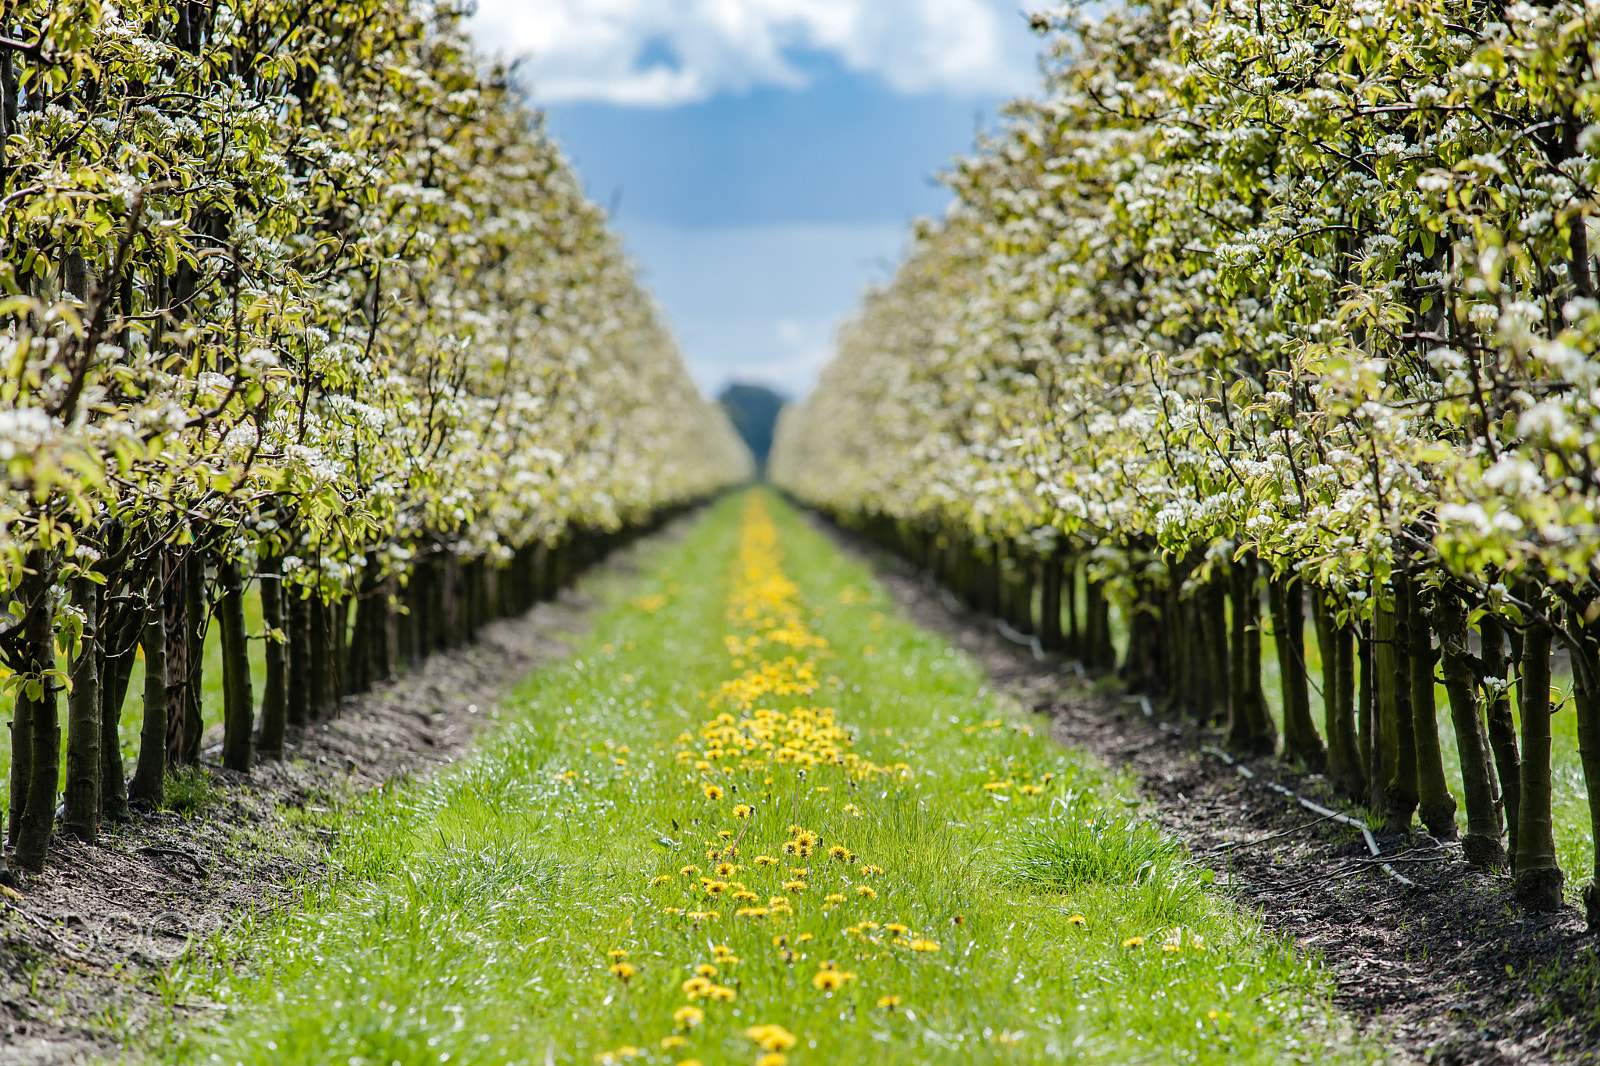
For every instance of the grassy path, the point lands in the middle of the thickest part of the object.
(757, 819)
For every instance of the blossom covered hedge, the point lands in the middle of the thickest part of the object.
(301, 290)
(1262, 288)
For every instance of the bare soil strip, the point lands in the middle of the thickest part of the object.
(1414, 966)
(78, 953)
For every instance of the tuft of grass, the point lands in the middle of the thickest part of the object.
(190, 791)
(1066, 852)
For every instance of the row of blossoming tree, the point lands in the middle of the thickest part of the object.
(296, 294)
(1262, 301)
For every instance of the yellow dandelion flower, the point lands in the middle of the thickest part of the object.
(791, 848)
(743, 810)
(688, 1017)
(1078, 920)
(802, 938)
(703, 916)
(888, 1002)
(670, 1042)
(664, 879)
(695, 987)
(721, 993)
(771, 1037)
(725, 834)
(833, 897)
(767, 860)
(1031, 790)
(780, 941)
(623, 970)
(922, 944)
(721, 949)
(671, 910)
(852, 810)
(799, 871)
(794, 887)
(871, 871)
(866, 892)
(1133, 942)
(705, 969)
(751, 912)
(689, 871)
(728, 869)
(713, 792)
(830, 980)
(840, 852)
(897, 929)
(745, 897)
(714, 888)
(617, 953)
(772, 1058)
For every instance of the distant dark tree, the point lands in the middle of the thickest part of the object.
(753, 410)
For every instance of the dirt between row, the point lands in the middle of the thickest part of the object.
(81, 952)
(1448, 971)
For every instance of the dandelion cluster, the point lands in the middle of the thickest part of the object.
(761, 774)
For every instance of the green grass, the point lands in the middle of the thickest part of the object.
(470, 917)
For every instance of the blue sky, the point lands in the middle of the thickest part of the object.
(764, 157)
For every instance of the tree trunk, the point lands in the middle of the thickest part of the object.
(382, 634)
(1586, 697)
(39, 811)
(1250, 727)
(1373, 742)
(1208, 654)
(149, 773)
(194, 725)
(82, 798)
(338, 657)
(1393, 709)
(118, 650)
(1050, 602)
(176, 619)
(299, 673)
(1538, 878)
(1435, 805)
(1216, 638)
(274, 690)
(238, 701)
(1345, 767)
(1502, 729)
(1300, 739)
(321, 640)
(1482, 844)
(1072, 638)
(21, 764)
(1022, 594)
(1102, 653)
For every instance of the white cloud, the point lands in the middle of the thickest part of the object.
(668, 52)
